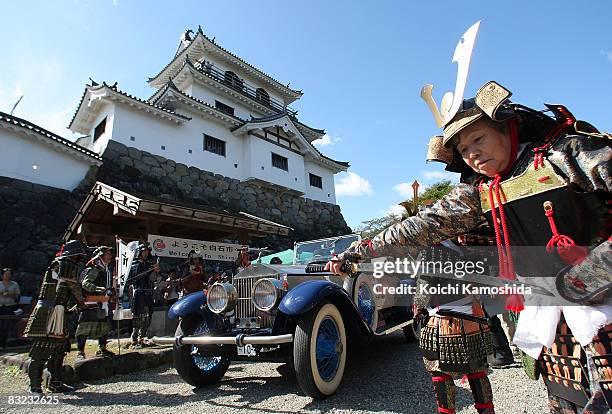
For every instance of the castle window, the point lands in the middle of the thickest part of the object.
(316, 181)
(279, 161)
(232, 80)
(224, 108)
(99, 130)
(262, 96)
(214, 145)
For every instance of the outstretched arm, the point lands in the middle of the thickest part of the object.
(458, 212)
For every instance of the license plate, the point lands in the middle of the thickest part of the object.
(246, 350)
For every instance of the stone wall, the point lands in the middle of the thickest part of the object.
(34, 217)
(130, 169)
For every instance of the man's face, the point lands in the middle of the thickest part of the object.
(107, 257)
(485, 149)
(144, 254)
(6, 276)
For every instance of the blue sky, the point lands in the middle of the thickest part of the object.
(360, 64)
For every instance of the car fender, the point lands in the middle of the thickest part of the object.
(306, 296)
(194, 303)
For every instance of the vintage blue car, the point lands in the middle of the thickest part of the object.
(285, 313)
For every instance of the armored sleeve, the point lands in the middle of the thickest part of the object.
(586, 164)
(89, 282)
(456, 213)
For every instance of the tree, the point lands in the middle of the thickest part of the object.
(435, 192)
(370, 228)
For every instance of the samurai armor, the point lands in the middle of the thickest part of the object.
(565, 369)
(456, 345)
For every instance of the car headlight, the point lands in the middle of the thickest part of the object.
(221, 297)
(266, 294)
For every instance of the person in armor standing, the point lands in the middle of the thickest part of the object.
(140, 281)
(97, 287)
(516, 162)
(46, 325)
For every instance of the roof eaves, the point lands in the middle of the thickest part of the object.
(7, 118)
(143, 101)
(295, 92)
(78, 107)
(171, 85)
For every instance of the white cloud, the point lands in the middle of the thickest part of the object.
(434, 175)
(326, 140)
(115, 2)
(395, 209)
(352, 185)
(607, 54)
(403, 189)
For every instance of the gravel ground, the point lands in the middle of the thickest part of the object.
(387, 377)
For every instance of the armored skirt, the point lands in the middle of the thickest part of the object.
(456, 346)
(573, 373)
(93, 323)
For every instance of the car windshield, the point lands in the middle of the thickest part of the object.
(320, 250)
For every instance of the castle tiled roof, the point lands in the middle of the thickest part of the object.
(47, 135)
(200, 36)
(114, 89)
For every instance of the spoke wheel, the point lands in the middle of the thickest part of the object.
(195, 369)
(320, 351)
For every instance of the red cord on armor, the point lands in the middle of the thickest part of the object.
(58, 254)
(498, 241)
(513, 132)
(509, 263)
(538, 158)
(514, 302)
(566, 247)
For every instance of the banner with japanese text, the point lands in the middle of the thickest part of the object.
(126, 256)
(164, 246)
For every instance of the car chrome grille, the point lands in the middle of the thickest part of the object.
(244, 307)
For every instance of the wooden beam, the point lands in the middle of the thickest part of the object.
(117, 212)
(192, 223)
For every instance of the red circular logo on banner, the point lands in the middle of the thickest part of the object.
(159, 245)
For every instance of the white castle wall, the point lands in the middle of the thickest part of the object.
(260, 154)
(55, 168)
(328, 193)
